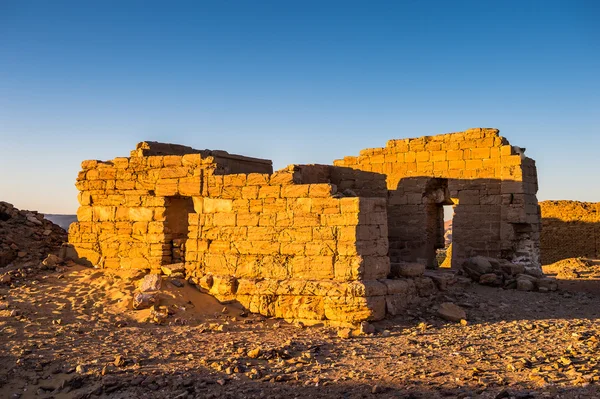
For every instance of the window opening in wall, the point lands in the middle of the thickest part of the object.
(176, 228)
(444, 255)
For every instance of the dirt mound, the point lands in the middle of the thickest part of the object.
(26, 238)
(574, 268)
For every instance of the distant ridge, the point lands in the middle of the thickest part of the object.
(63, 221)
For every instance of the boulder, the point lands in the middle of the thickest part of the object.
(476, 266)
(144, 300)
(524, 284)
(451, 312)
(51, 261)
(151, 282)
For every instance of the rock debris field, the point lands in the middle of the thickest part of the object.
(71, 332)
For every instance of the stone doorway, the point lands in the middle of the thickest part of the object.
(177, 227)
(438, 201)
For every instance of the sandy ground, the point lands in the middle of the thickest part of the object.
(72, 334)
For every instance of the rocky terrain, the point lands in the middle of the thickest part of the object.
(72, 332)
(26, 238)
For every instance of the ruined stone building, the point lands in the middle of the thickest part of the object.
(338, 242)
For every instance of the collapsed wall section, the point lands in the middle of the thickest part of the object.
(491, 183)
(570, 229)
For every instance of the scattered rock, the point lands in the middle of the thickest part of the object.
(366, 328)
(377, 389)
(172, 269)
(51, 261)
(254, 353)
(476, 266)
(143, 300)
(490, 279)
(524, 285)
(151, 282)
(450, 311)
(344, 333)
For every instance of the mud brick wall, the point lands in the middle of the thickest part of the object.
(569, 229)
(123, 218)
(492, 185)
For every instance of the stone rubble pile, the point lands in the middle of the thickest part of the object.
(503, 273)
(26, 238)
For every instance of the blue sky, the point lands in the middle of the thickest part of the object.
(295, 82)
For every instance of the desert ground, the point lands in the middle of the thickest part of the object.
(71, 333)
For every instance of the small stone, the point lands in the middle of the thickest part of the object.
(254, 353)
(5, 279)
(80, 369)
(119, 361)
(451, 312)
(377, 389)
(344, 333)
(177, 283)
(366, 328)
(490, 279)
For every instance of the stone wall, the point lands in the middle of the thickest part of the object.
(122, 218)
(339, 243)
(569, 229)
(284, 244)
(491, 183)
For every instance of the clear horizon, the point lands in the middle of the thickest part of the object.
(295, 83)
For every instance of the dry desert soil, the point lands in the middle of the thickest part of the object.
(71, 333)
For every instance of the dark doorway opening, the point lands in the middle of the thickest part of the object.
(176, 227)
(444, 255)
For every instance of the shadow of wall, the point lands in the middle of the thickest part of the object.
(562, 239)
(570, 229)
(493, 217)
